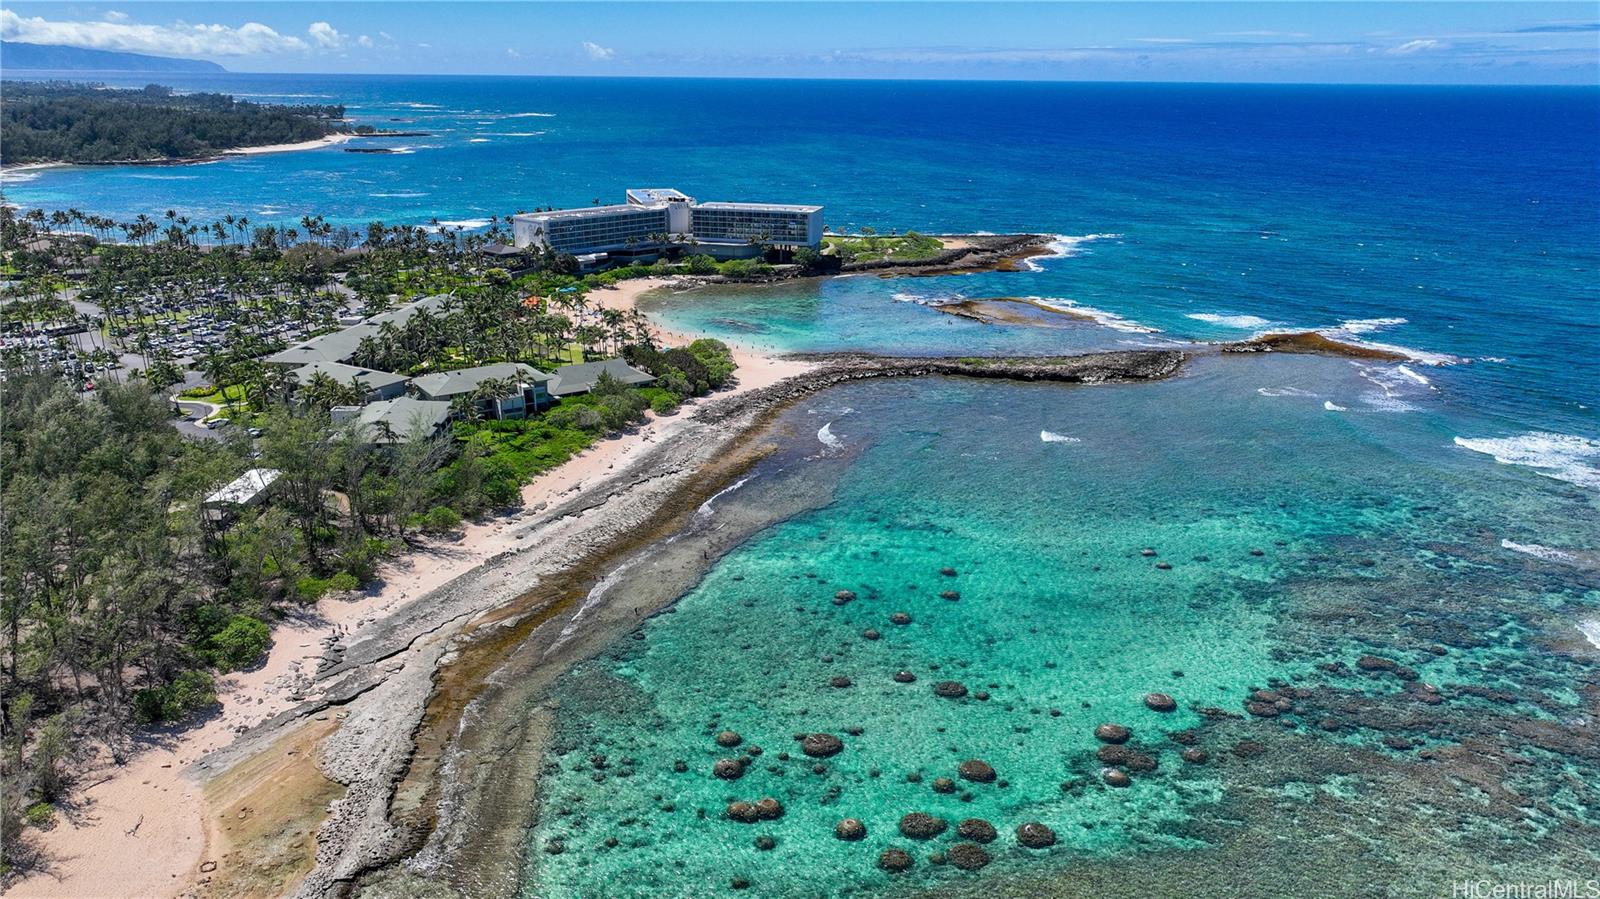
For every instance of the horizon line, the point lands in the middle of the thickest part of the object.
(899, 78)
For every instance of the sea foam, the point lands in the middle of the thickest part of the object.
(1245, 322)
(1053, 437)
(1062, 246)
(1331, 406)
(706, 509)
(1564, 457)
(1100, 316)
(1352, 332)
(828, 438)
(1590, 628)
(1547, 553)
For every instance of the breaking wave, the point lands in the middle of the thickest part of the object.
(1063, 246)
(1245, 322)
(1563, 457)
(1099, 316)
(828, 439)
(1053, 437)
(706, 510)
(1541, 552)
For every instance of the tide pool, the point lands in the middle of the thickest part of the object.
(1296, 538)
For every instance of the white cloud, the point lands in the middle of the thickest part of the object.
(364, 41)
(513, 53)
(597, 52)
(1417, 46)
(326, 35)
(114, 16)
(178, 39)
(1287, 34)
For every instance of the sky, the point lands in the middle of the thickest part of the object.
(1361, 42)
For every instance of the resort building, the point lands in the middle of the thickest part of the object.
(529, 388)
(247, 491)
(581, 378)
(375, 385)
(341, 345)
(657, 220)
(396, 421)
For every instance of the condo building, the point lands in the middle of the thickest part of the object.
(654, 220)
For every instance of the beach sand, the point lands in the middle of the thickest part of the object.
(328, 141)
(140, 829)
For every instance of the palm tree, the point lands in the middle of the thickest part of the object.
(323, 391)
(464, 406)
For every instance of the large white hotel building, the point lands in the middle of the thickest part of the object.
(657, 219)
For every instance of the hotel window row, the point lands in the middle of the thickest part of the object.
(658, 219)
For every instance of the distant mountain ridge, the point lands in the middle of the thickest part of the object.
(58, 58)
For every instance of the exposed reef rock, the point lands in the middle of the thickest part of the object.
(821, 746)
(1310, 342)
(922, 826)
(977, 830)
(1035, 835)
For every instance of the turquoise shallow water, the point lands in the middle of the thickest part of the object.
(1042, 498)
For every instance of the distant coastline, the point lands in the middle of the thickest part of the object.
(330, 140)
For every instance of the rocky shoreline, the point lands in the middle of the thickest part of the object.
(401, 688)
(973, 253)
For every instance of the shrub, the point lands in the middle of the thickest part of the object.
(40, 815)
(439, 520)
(743, 268)
(188, 693)
(313, 588)
(700, 265)
(588, 419)
(666, 404)
(716, 358)
(239, 644)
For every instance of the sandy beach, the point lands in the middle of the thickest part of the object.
(328, 141)
(25, 169)
(140, 829)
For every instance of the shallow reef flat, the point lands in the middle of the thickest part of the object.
(1325, 669)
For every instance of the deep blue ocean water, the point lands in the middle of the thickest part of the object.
(1445, 503)
(1471, 213)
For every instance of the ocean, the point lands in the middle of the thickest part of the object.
(1435, 518)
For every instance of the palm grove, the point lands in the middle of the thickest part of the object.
(120, 602)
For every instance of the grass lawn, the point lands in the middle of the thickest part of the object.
(909, 247)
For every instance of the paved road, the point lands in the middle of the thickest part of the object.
(190, 427)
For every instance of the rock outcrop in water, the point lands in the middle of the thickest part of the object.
(968, 856)
(895, 860)
(1035, 835)
(977, 830)
(1311, 342)
(976, 770)
(922, 826)
(838, 368)
(821, 746)
(1111, 733)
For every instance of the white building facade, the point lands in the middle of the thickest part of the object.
(657, 219)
